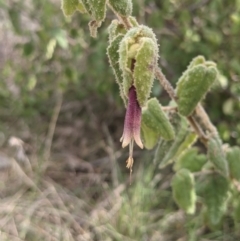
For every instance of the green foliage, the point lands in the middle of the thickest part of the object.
(50, 55)
(114, 29)
(168, 151)
(122, 7)
(191, 160)
(215, 194)
(233, 158)
(217, 156)
(193, 86)
(113, 56)
(156, 120)
(150, 137)
(69, 7)
(183, 190)
(143, 74)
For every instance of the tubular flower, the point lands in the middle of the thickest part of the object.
(132, 125)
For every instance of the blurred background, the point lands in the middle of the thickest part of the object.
(62, 168)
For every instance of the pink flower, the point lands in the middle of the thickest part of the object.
(132, 125)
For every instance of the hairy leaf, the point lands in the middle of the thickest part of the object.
(193, 86)
(150, 137)
(183, 190)
(113, 56)
(156, 120)
(191, 160)
(215, 195)
(122, 7)
(233, 158)
(144, 69)
(69, 7)
(217, 156)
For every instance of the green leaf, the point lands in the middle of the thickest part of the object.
(113, 56)
(69, 7)
(233, 158)
(114, 29)
(215, 195)
(178, 141)
(150, 137)
(183, 190)
(122, 7)
(196, 61)
(217, 156)
(143, 69)
(98, 9)
(87, 6)
(191, 160)
(193, 86)
(156, 120)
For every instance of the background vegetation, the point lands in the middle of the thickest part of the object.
(64, 177)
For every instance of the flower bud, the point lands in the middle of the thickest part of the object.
(122, 7)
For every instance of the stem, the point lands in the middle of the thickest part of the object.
(198, 130)
(204, 118)
(165, 83)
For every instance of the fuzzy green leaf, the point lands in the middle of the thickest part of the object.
(180, 137)
(167, 150)
(150, 137)
(113, 56)
(143, 70)
(125, 65)
(87, 6)
(69, 7)
(193, 86)
(215, 194)
(156, 120)
(183, 190)
(122, 7)
(114, 29)
(98, 9)
(233, 158)
(196, 61)
(191, 160)
(217, 156)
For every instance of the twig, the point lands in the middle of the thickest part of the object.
(165, 83)
(204, 118)
(198, 130)
(169, 108)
